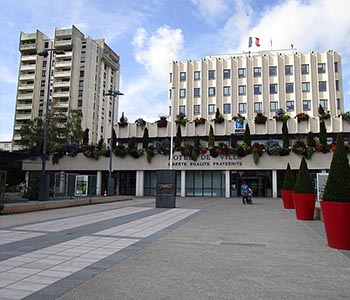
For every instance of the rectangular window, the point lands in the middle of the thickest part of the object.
(170, 77)
(182, 76)
(257, 89)
(273, 88)
(322, 86)
(227, 108)
(338, 103)
(289, 87)
(242, 107)
(211, 74)
(242, 90)
(273, 70)
(227, 90)
(305, 87)
(290, 105)
(182, 110)
(197, 92)
(288, 70)
(211, 91)
(321, 68)
(336, 67)
(211, 109)
(257, 72)
(324, 103)
(241, 72)
(170, 94)
(227, 74)
(306, 104)
(197, 75)
(197, 109)
(337, 85)
(182, 93)
(258, 106)
(273, 106)
(304, 69)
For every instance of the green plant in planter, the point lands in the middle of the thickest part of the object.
(285, 135)
(211, 141)
(145, 139)
(338, 184)
(289, 179)
(303, 182)
(247, 138)
(178, 138)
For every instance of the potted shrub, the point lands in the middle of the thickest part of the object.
(199, 121)
(302, 117)
(288, 188)
(162, 122)
(260, 118)
(219, 118)
(123, 121)
(304, 196)
(335, 202)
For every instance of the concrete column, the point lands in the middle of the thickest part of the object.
(183, 183)
(140, 181)
(227, 184)
(98, 183)
(274, 183)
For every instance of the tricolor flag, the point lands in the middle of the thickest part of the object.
(257, 41)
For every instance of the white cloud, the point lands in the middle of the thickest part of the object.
(148, 93)
(7, 75)
(209, 10)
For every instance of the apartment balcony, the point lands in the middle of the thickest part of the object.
(63, 74)
(18, 127)
(16, 137)
(25, 96)
(23, 106)
(28, 67)
(63, 33)
(60, 94)
(26, 87)
(27, 46)
(63, 64)
(60, 84)
(66, 54)
(27, 77)
(63, 43)
(28, 58)
(62, 105)
(23, 116)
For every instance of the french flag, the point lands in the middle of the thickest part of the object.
(257, 41)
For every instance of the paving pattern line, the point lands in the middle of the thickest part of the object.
(147, 226)
(10, 236)
(26, 274)
(72, 222)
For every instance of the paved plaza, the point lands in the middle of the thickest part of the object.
(205, 248)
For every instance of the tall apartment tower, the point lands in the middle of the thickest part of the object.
(77, 81)
(257, 82)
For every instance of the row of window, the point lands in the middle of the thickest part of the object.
(288, 70)
(258, 107)
(242, 89)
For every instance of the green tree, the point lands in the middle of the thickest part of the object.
(86, 137)
(289, 179)
(338, 184)
(323, 134)
(303, 184)
(178, 139)
(211, 140)
(145, 139)
(247, 137)
(285, 135)
(114, 139)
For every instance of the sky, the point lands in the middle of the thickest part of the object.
(149, 34)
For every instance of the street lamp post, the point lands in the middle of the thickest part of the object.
(111, 183)
(44, 184)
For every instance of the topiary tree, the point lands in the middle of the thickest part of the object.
(86, 137)
(211, 140)
(289, 179)
(337, 188)
(323, 134)
(247, 138)
(285, 135)
(114, 139)
(303, 184)
(178, 139)
(145, 139)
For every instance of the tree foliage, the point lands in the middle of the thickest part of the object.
(303, 184)
(178, 139)
(247, 137)
(285, 135)
(338, 184)
(145, 139)
(211, 141)
(289, 179)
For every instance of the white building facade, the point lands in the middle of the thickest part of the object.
(77, 81)
(257, 82)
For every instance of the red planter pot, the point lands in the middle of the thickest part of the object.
(336, 217)
(287, 197)
(304, 205)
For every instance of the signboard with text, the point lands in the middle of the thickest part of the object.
(81, 185)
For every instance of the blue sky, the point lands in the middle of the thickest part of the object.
(148, 34)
